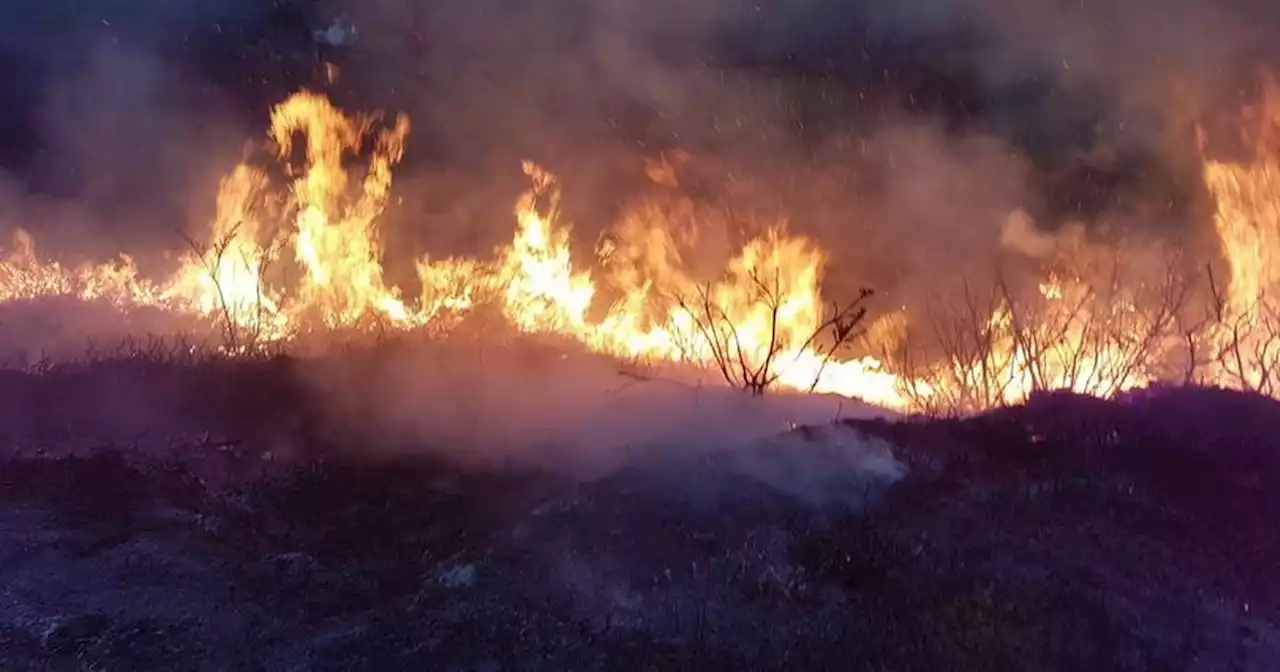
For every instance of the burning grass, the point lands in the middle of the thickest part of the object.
(1101, 318)
(289, 265)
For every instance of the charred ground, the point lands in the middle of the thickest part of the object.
(1065, 534)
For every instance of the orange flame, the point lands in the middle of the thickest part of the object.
(764, 309)
(23, 276)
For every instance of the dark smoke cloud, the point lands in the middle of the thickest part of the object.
(117, 113)
(1100, 97)
(485, 406)
(1083, 110)
(128, 140)
(1146, 67)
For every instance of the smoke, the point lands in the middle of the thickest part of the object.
(119, 129)
(53, 331)
(138, 172)
(1095, 100)
(115, 127)
(1117, 44)
(1104, 92)
(777, 102)
(1071, 112)
(547, 405)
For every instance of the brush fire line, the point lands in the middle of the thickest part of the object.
(282, 262)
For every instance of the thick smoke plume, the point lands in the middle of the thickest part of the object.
(806, 103)
(551, 406)
(1088, 92)
(1085, 112)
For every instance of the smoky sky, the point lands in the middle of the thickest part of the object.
(128, 110)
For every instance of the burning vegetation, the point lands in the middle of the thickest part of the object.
(294, 258)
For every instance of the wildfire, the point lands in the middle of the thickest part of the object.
(23, 276)
(1246, 337)
(543, 293)
(305, 257)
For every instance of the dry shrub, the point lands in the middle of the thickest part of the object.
(754, 369)
(1103, 323)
